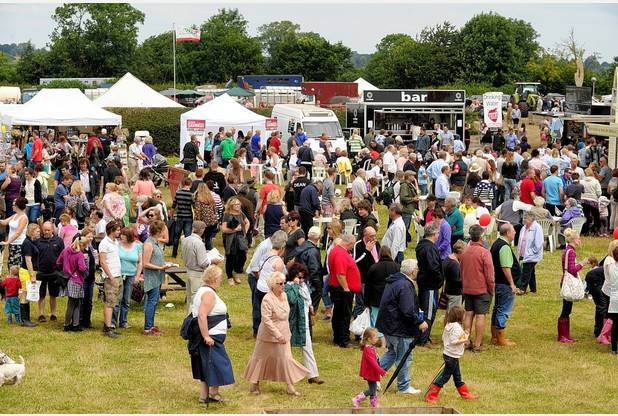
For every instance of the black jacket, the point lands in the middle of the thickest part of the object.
(399, 313)
(368, 221)
(363, 258)
(310, 256)
(430, 274)
(218, 178)
(376, 280)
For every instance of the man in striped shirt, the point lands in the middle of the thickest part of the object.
(184, 213)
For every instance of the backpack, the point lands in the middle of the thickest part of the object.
(387, 197)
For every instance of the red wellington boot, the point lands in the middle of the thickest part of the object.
(465, 393)
(563, 331)
(432, 394)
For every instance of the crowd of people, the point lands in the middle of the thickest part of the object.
(108, 217)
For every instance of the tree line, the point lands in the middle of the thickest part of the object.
(489, 51)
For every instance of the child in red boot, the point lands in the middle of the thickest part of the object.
(454, 338)
(370, 368)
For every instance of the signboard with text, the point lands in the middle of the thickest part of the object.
(414, 96)
(271, 123)
(492, 109)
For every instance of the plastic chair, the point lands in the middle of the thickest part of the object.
(547, 225)
(349, 226)
(279, 172)
(318, 172)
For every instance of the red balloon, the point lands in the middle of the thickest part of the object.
(616, 233)
(485, 219)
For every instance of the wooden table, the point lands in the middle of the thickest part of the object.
(173, 272)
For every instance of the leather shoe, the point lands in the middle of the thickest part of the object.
(315, 380)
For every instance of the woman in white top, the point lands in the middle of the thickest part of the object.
(17, 230)
(209, 362)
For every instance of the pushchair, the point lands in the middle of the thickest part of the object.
(157, 169)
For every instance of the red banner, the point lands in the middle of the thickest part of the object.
(271, 123)
(196, 124)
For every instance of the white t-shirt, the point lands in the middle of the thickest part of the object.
(220, 308)
(389, 162)
(451, 335)
(267, 269)
(100, 228)
(111, 249)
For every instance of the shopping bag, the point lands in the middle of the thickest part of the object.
(361, 322)
(605, 335)
(33, 291)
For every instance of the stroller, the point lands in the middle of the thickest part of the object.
(157, 169)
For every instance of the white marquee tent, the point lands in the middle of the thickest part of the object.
(60, 107)
(130, 92)
(364, 85)
(222, 111)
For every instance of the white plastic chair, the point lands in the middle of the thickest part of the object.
(278, 171)
(318, 172)
(349, 225)
(547, 225)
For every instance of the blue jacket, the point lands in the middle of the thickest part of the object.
(309, 199)
(399, 313)
(300, 138)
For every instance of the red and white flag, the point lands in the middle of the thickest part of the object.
(187, 34)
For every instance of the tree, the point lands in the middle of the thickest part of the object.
(272, 34)
(94, 39)
(436, 55)
(152, 62)
(311, 55)
(495, 49)
(551, 70)
(8, 73)
(32, 65)
(382, 69)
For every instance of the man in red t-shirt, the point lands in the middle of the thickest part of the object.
(269, 177)
(526, 188)
(36, 156)
(275, 142)
(344, 281)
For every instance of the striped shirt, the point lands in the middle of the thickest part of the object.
(356, 144)
(183, 202)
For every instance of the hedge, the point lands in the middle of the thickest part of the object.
(163, 124)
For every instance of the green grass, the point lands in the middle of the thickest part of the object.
(85, 372)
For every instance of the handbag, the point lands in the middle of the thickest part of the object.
(606, 332)
(137, 292)
(241, 240)
(572, 288)
(61, 278)
(361, 322)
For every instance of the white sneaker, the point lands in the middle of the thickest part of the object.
(410, 390)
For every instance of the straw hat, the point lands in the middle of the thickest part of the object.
(474, 168)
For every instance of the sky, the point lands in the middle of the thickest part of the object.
(359, 26)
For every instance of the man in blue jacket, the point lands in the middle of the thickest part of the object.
(400, 320)
(309, 205)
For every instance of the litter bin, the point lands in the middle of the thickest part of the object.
(175, 177)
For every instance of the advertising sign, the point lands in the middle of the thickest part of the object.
(197, 128)
(355, 116)
(271, 123)
(414, 96)
(492, 109)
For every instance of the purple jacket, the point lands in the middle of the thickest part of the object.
(73, 263)
(444, 240)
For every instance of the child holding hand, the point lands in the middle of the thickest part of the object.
(370, 368)
(454, 339)
(12, 285)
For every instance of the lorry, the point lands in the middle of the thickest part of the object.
(324, 92)
(314, 121)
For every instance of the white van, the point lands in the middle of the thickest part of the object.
(313, 120)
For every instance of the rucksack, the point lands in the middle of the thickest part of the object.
(387, 197)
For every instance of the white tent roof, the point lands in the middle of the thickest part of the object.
(60, 107)
(364, 85)
(130, 92)
(224, 111)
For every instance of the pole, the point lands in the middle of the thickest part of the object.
(174, 55)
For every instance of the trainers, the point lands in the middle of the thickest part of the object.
(125, 326)
(110, 333)
(409, 390)
(151, 332)
(53, 318)
(42, 318)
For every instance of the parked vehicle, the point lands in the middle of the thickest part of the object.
(329, 93)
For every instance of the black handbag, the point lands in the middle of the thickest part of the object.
(61, 278)
(137, 292)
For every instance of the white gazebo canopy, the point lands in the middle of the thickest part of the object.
(364, 85)
(130, 92)
(60, 107)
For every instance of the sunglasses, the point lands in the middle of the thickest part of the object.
(280, 283)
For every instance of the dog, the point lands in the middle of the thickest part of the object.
(10, 371)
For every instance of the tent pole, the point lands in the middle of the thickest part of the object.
(174, 55)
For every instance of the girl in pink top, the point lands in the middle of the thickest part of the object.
(144, 185)
(68, 230)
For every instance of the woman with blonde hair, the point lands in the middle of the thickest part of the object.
(272, 357)
(149, 149)
(113, 203)
(154, 271)
(275, 210)
(234, 227)
(570, 264)
(78, 202)
(210, 363)
(205, 210)
(72, 261)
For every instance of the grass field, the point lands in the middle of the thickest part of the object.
(88, 373)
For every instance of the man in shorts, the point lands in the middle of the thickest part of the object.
(48, 248)
(477, 277)
(109, 259)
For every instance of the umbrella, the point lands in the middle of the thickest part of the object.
(401, 362)
(236, 92)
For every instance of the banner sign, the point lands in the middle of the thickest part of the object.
(271, 123)
(492, 109)
(355, 116)
(197, 128)
(196, 124)
(187, 34)
(414, 96)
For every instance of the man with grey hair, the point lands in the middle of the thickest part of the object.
(344, 281)
(395, 236)
(530, 250)
(267, 251)
(196, 259)
(430, 278)
(309, 254)
(400, 320)
(359, 186)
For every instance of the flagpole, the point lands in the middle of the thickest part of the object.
(174, 55)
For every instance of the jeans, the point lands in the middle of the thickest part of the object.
(150, 306)
(399, 258)
(528, 276)
(185, 225)
(428, 300)
(601, 302)
(328, 303)
(122, 308)
(423, 188)
(396, 348)
(451, 368)
(85, 310)
(503, 306)
(372, 389)
(342, 313)
(33, 212)
(258, 296)
(509, 185)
